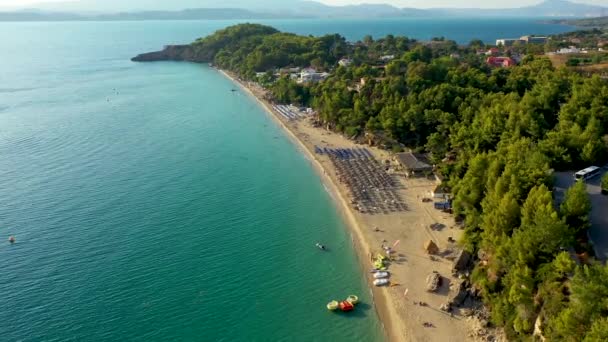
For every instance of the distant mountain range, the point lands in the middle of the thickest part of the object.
(264, 9)
(188, 14)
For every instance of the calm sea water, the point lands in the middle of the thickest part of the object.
(151, 203)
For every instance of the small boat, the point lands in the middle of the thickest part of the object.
(380, 282)
(320, 246)
(346, 306)
(380, 275)
(333, 305)
(11, 239)
(352, 299)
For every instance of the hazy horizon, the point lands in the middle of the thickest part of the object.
(125, 5)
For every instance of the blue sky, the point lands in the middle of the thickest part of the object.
(399, 3)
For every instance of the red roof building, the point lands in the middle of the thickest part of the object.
(500, 62)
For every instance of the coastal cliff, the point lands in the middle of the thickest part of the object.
(232, 45)
(171, 53)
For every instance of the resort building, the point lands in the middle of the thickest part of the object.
(521, 40)
(533, 40)
(387, 58)
(414, 164)
(311, 76)
(506, 42)
(500, 62)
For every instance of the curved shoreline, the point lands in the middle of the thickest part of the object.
(385, 309)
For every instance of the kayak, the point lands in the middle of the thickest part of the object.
(380, 282)
(380, 275)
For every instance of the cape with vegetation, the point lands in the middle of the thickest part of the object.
(597, 22)
(495, 134)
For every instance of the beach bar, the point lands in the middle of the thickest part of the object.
(414, 164)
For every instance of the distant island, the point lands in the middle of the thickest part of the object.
(492, 122)
(304, 9)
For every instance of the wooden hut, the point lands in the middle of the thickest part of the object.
(414, 164)
(431, 247)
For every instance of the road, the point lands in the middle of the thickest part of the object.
(598, 233)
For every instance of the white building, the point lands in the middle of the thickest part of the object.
(572, 49)
(345, 62)
(311, 75)
(387, 58)
(506, 42)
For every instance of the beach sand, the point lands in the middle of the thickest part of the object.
(402, 319)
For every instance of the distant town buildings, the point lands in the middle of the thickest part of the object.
(500, 62)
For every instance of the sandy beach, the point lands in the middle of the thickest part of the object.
(396, 305)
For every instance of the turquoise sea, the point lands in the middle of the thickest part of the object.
(151, 203)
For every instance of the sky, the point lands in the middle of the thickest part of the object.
(398, 3)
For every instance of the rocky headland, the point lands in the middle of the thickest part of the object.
(171, 53)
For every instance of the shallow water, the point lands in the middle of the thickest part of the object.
(151, 203)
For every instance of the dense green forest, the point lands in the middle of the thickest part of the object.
(251, 48)
(494, 133)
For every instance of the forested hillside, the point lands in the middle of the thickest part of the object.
(494, 133)
(249, 48)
